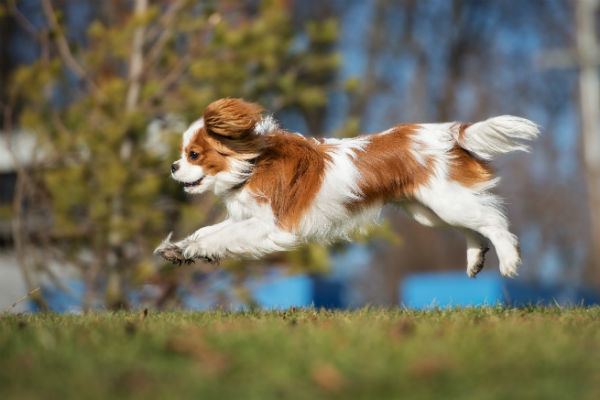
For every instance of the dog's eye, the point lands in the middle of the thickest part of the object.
(193, 155)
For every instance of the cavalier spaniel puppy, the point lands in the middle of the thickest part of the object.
(282, 189)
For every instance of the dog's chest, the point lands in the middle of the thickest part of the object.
(244, 205)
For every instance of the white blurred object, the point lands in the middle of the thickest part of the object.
(12, 286)
(22, 144)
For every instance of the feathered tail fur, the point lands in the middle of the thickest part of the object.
(498, 135)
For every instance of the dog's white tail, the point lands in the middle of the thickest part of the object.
(497, 135)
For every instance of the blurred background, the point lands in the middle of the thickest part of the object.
(95, 95)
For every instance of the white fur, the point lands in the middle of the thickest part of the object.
(475, 210)
(238, 172)
(250, 230)
(388, 131)
(422, 214)
(191, 131)
(266, 125)
(187, 172)
(499, 135)
(433, 141)
(477, 246)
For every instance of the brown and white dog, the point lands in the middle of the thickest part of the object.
(282, 189)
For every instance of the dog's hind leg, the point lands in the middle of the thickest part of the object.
(476, 210)
(422, 214)
(477, 246)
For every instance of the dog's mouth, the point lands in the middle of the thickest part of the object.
(192, 184)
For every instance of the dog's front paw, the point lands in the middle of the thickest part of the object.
(170, 251)
(195, 250)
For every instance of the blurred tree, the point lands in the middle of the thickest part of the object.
(108, 108)
(583, 57)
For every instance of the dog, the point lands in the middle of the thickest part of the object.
(282, 189)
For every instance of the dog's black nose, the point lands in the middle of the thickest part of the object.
(174, 167)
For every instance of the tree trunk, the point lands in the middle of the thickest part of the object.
(589, 92)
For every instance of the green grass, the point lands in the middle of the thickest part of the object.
(473, 353)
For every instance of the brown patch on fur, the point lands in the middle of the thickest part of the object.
(209, 158)
(288, 174)
(389, 170)
(461, 131)
(467, 169)
(458, 130)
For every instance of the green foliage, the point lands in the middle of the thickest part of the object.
(106, 176)
(471, 353)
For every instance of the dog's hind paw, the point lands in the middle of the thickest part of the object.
(476, 262)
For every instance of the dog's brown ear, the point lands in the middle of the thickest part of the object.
(231, 118)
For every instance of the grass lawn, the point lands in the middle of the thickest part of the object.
(473, 353)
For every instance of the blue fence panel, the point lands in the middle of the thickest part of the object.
(455, 289)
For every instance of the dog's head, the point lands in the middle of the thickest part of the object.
(218, 149)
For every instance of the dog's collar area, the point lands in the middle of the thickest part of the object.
(252, 163)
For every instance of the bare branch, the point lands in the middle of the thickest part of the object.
(137, 59)
(45, 47)
(63, 46)
(166, 32)
(13, 305)
(175, 73)
(21, 20)
(166, 19)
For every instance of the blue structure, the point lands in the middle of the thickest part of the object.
(455, 289)
(280, 292)
(276, 291)
(272, 291)
(328, 293)
(61, 301)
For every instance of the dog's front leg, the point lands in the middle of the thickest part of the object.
(173, 251)
(250, 238)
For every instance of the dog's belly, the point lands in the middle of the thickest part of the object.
(421, 213)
